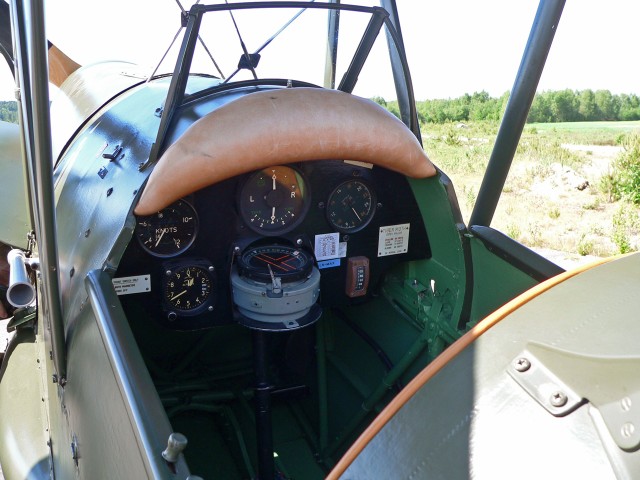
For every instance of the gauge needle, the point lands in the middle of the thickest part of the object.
(354, 211)
(276, 282)
(176, 296)
(274, 181)
(160, 237)
(273, 214)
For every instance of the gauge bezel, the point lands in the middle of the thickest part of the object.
(243, 201)
(153, 218)
(362, 223)
(172, 269)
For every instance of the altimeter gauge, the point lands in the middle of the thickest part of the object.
(189, 288)
(169, 232)
(351, 206)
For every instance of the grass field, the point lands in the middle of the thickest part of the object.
(591, 133)
(555, 196)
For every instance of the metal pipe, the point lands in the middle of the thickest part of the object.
(31, 62)
(20, 292)
(266, 467)
(524, 88)
(385, 385)
(332, 47)
(323, 402)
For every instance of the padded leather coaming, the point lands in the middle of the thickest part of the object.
(278, 127)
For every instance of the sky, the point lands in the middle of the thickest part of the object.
(453, 47)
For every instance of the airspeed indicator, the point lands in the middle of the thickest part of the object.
(169, 232)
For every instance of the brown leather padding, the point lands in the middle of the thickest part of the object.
(60, 66)
(278, 127)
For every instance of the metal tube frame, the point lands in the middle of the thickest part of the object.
(176, 93)
(32, 72)
(524, 88)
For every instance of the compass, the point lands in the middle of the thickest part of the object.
(266, 262)
(276, 287)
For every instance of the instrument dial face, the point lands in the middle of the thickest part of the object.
(274, 200)
(268, 261)
(189, 289)
(351, 206)
(170, 231)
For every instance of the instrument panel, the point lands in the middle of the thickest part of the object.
(277, 221)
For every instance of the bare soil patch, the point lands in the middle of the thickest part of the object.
(558, 210)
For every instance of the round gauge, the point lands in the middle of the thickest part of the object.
(266, 262)
(189, 289)
(273, 200)
(351, 206)
(170, 231)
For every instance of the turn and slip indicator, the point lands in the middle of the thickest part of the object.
(357, 277)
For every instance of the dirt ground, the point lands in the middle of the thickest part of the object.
(557, 211)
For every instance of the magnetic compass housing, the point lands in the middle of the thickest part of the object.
(276, 287)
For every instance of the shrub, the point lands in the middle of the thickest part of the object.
(624, 181)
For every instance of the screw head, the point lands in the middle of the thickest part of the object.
(558, 399)
(522, 364)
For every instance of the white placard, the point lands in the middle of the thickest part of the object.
(129, 285)
(342, 249)
(327, 246)
(393, 240)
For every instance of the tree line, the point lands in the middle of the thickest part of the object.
(9, 111)
(547, 107)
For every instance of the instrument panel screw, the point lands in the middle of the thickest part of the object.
(522, 364)
(558, 399)
(167, 273)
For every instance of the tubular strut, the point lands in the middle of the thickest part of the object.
(535, 54)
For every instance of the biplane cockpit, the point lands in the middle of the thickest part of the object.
(254, 255)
